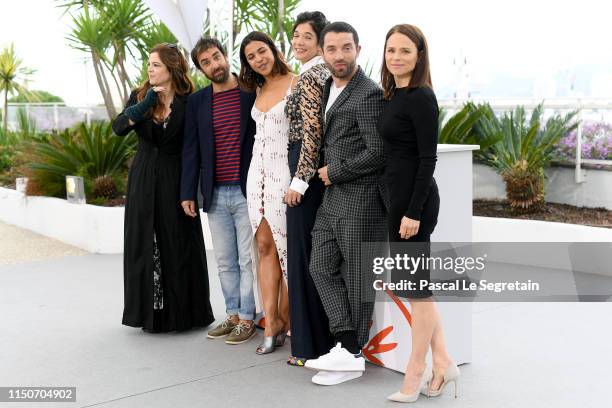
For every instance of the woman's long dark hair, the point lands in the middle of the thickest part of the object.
(249, 79)
(421, 75)
(178, 67)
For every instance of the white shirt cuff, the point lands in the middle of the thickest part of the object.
(298, 185)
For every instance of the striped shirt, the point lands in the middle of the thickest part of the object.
(226, 130)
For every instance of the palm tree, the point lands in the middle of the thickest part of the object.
(275, 18)
(114, 32)
(127, 21)
(12, 78)
(525, 148)
(91, 34)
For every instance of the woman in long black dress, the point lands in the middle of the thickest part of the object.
(164, 262)
(409, 127)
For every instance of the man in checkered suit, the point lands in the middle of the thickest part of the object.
(353, 210)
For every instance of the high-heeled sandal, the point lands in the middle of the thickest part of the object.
(270, 343)
(267, 346)
(296, 361)
(451, 374)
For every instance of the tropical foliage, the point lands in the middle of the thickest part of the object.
(13, 145)
(461, 128)
(87, 151)
(118, 34)
(13, 77)
(525, 147)
(114, 33)
(36, 96)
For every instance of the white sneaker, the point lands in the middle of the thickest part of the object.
(335, 377)
(338, 359)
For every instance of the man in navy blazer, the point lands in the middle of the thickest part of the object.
(217, 149)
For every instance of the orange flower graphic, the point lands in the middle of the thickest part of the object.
(375, 346)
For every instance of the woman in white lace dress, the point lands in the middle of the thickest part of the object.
(263, 69)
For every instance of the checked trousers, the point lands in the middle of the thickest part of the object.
(343, 281)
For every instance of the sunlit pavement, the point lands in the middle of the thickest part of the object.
(61, 326)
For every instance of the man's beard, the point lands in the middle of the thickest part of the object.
(350, 68)
(220, 77)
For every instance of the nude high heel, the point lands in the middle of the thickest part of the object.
(451, 374)
(401, 397)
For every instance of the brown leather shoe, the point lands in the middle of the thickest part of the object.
(222, 329)
(241, 333)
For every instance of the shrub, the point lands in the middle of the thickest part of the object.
(461, 128)
(88, 151)
(525, 149)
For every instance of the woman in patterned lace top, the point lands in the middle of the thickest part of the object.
(309, 326)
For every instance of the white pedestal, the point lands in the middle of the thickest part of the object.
(390, 342)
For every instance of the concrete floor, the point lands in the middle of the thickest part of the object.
(61, 326)
(19, 245)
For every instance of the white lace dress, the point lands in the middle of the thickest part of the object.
(269, 177)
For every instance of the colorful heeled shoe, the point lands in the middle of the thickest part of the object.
(296, 361)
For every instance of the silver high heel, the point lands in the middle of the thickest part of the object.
(271, 342)
(280, 339)
(451, 374)
(267, 346)
(401, 397)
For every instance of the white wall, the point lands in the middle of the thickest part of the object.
(595, 191)
(90, 227)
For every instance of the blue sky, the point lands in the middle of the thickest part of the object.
(513, 48)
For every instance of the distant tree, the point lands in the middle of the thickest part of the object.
(13, 77)
(36, 96)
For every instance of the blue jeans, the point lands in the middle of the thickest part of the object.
(232, 236)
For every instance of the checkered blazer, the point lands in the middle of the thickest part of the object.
(353, 150)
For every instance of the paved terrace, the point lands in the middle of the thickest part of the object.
(60, 310)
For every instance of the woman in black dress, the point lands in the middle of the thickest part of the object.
(164, 259)
(409, 127)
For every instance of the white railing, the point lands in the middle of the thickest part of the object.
(596, 106)
(55, 115)
(58, 116)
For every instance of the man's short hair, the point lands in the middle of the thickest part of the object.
(203, 44)
(338, 27)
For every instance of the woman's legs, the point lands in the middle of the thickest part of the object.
(283, 305)
(271, 282)
(440, 356)
(424, 321)
(426, 330)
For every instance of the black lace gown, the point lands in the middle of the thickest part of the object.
(164, 264)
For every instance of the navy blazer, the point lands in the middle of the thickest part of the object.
(199, 145)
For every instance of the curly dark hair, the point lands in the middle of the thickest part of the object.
(316, 19)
